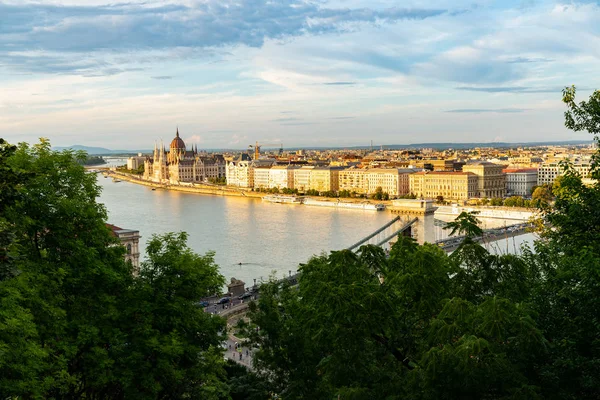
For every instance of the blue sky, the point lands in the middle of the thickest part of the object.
(303, 73)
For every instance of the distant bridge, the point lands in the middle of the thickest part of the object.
(385, 234)
(452, 242)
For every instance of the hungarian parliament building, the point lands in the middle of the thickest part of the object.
(181, 165)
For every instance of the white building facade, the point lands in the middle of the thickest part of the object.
(548, 172)
(520, 182)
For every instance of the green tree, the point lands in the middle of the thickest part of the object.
(541, 196)
(378, 195)
(173, 347)
(74, 323)
(465, 224)
(369, 326)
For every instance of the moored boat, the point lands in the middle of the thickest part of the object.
(343, 204)
(283, 199)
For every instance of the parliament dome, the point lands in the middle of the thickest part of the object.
(177, 143)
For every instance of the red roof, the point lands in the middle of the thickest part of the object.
(518, 170)
(443, 173)
(113, 228)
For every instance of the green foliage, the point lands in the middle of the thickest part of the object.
(465, 224)
(93, 160)
(289, 191)
(496, 201)
(217, 181)
(369, 326)
(346, 193)
(74, 322)
(312, 192)
(514, 201)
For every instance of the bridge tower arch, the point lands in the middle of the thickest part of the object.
(424, 229)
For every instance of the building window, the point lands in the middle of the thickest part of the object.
(129, 249)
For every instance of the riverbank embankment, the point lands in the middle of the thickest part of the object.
(214, 190)
(218, 190)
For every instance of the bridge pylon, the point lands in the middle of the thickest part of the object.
(423, 210)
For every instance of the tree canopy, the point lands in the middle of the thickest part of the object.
(74, 322)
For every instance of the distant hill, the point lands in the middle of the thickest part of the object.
(438, 146)
(100, 151)
(460, 146)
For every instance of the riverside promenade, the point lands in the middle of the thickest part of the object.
(219, 190)
(207, 189)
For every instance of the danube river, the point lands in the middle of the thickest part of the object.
(264, 237)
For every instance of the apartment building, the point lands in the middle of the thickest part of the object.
(302, 177)
(435, 165)
(354, 180)
(523, 162)
(261, 176)
(282, 176)
(491, 179)
(449, 185)
(238, 171)
(325, 179)
(520, 182)
(136, 161)
(393, 181)
(548, 172)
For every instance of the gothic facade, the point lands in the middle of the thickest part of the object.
(177, 164)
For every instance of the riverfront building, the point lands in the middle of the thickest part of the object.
(135, 162)
(393, 181)
(240, 171)
(130, 239)
(491, 180)
(182, 165)
(520, 182)
(261, 176)
(325, 179)
(302, 177)
(548, 172)
(449, 185)
(282, 176)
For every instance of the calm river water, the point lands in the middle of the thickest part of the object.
(264, 237)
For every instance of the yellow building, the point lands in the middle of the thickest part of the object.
(354, 180)
(393, 181)
(325, 179)
(435, 165)
(282, 176)
(491, 179)
(260, 176)
(302, 178)
(449, 185)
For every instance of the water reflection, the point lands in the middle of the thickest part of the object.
(263, 237)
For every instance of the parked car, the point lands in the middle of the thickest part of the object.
(244, 296)
(202, 304)
(224, 300)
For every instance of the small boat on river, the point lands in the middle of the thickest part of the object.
(283, 199)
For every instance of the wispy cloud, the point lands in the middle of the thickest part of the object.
(342, 83)
(162, 77)
(488, 110)
(518, 60)
(285, 119)
(510, 89)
